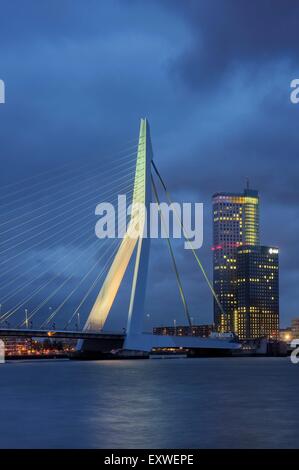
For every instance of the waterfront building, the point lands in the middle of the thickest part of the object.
(257, 293)
(235, 223)
(295, 328)
(17, 346)
(203, 331)
(286, 334)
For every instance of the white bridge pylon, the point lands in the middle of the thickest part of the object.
(134, 239)
(142, 195)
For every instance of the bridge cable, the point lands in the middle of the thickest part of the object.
(189, 242)
(38, 243)
(91, 288)
(79, 168)
(57, 310)
(175, 268)
(67, 229)
(50, 245)
(43, 206)
(85, 196)
(8, 314)
(13, 292)
(45, 301)
(14, 309)
(62, 186)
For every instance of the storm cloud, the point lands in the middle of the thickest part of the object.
(213, 78)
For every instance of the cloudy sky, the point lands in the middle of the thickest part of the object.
(213, 78)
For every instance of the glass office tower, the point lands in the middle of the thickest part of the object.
(257, 293)
(235, 224)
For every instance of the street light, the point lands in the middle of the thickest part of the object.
(148, 319)
(26, 317)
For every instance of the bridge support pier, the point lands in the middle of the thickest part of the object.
(98, 348)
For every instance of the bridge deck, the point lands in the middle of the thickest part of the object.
(143, 342)
(30, 333)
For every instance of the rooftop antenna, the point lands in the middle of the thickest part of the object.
(247, 182)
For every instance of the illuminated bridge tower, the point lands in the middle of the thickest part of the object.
(235, 223)
(133, 241)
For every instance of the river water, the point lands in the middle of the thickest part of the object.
(177, 403)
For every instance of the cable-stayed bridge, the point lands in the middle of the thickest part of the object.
(52, 265)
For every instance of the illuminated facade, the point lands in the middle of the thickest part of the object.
(295, 327)
(257, 293)
(286, 335)
(203, 331)
(17, 346)
(235, 223)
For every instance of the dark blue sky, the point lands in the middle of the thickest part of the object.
(213, 78)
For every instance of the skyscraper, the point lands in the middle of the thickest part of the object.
(235, 223)
(257, 293)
